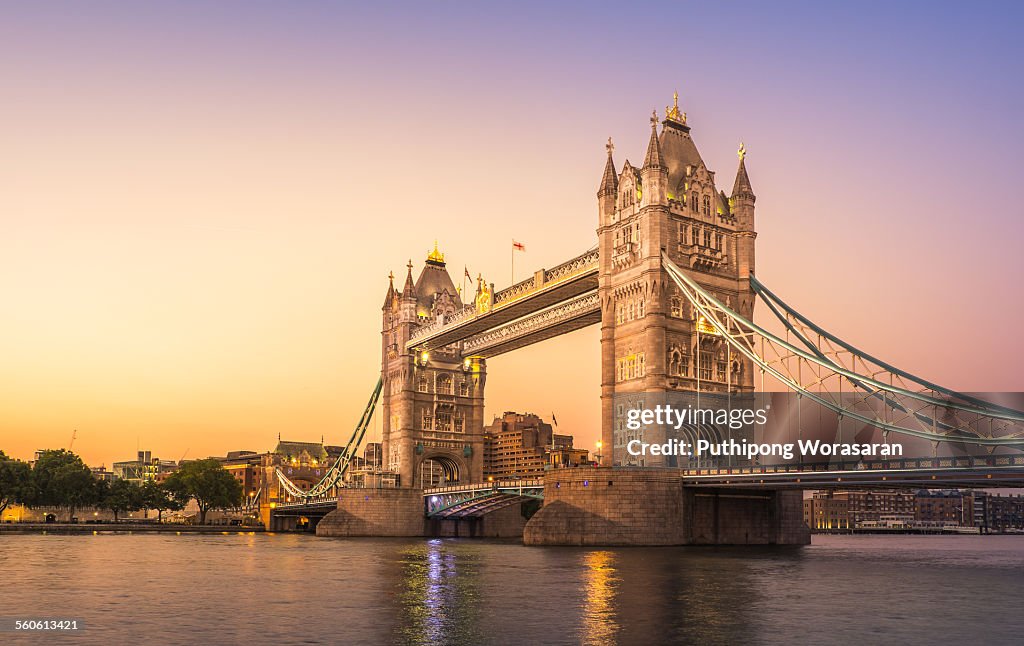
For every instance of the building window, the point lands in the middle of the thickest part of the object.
(676, 307)
(444, 421)
(464, 388)
(705, 365)
(693, 201)
(707, 205)
(640, 309)
(428, 420)
(444, 384)
(424, 384)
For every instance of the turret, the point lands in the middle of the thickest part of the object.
(654, 173)
(407, 312)
(742, 207)
(608, 189)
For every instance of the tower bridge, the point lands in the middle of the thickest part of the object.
(672, 284)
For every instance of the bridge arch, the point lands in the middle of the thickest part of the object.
(439, 469)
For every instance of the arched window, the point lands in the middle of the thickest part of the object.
(676, 307)
(673, 362)
(641, 365)
(693, 201)
(464, 388)
(707, 205)
(424, 384)
(640, 309)
(428, 420)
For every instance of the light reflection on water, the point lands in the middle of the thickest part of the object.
(288, 589)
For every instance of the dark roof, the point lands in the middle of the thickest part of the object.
(678, 151)
(433, 280)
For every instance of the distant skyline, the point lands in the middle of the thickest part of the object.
(202, 202)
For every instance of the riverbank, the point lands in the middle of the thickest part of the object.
(123, 528)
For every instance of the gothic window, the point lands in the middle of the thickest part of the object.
(444, 421)
(673, 363)
(632, 310)
(640, 309)
(684, 366)
(693, 201)
(721, 367)
(460, 422)
(619, 313)
(707, 205)
(641, 368)
(718, 242)
(444, 384)
(705, 365)
(424, 385)
(428, 420)
(694, 235)
(464, 388)
(676, 307)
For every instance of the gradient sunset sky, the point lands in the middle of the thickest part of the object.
(202, 202)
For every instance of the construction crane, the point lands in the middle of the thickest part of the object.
(74, 434)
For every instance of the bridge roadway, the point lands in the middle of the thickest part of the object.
(475, 500)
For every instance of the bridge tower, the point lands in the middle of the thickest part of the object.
(652, 344)
(432, 403)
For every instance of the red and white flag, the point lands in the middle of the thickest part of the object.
(518, 246)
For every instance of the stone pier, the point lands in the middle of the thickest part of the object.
(623, 506)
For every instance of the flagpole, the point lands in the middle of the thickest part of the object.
(513, 262)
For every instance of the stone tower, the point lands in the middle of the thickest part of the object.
(649, 332)
(432, 404)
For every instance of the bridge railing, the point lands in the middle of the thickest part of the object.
(485, 486)
(894, 464)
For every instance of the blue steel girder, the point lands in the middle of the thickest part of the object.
(477, 501)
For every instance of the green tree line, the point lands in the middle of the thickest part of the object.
(59, 478)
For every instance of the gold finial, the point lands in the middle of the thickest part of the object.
(673, 112)
(742, 152)
(609, 146)
(435, 255)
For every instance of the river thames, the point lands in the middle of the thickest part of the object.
(299, 589)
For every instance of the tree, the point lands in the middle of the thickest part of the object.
(122, 496)
(14, 481)
(209, 483)
(61, 479)
(160, 497)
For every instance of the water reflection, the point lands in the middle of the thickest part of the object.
(438, 604)
(599, 625)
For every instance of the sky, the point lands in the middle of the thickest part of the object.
(201, 202)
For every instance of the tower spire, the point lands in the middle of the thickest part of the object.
(390, 297)
(410, 288)
(610, 180)
(741, 187)
(654, 158)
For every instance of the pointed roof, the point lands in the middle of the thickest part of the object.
(742, 184)
(389, 298)
(654, 158)
(610, 180)
(678, 149)
(410, 287)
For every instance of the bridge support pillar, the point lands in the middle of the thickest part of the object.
(623, 506)
(375, 512)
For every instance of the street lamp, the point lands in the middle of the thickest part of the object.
(599, 445)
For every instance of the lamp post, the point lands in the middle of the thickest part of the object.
(599, 444)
